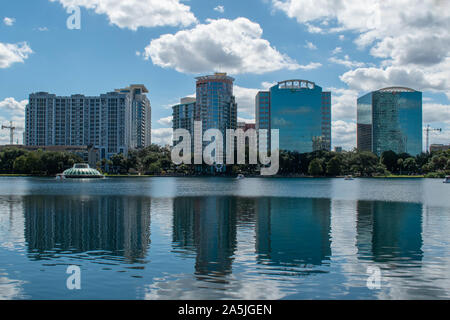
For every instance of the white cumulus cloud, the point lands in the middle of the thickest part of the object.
(133, 14)
(234, 46)
(11, 105)
(311, 46)
(369, 79)
(343, 103)
(220, 9)
(12, 110)
(344, 134)
(9, 21)
(346, 62)
(411, 36)
(162, 136)
(11, 53)
(436, 113)
(167, 121)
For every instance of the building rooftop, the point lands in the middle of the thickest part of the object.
(396, 89)
(134, 86)
(187, 100)
(215, 76)
(296, 84)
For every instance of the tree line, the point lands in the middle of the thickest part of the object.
(156, 160)
(20, 161)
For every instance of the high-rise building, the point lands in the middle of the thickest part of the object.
(301, 111)
(262, 114)
(105, 122)
(214, 105)
(390, 119)
(216, 102)
(141, 116)
(326, 120)
(184, 115)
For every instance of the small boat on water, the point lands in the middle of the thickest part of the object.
(240, 177)
(349, 177)
(60, 176)
(80, 171)
(447, 179)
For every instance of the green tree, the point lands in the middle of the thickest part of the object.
(410, 165)
(20, 165)
(119, 163)
(7, 158)
(334, 166)
(389, 159)
(315, 167)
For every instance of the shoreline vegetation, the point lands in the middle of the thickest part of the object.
(155, 161)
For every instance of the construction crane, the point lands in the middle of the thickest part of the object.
(11, 131)
(428, 129)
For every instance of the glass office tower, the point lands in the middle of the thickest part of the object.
(390, 119)
(262, 115)
(302, 114)
(216, 102)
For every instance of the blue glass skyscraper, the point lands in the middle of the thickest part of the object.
(301, 111)
(216, 102)
(390, 119)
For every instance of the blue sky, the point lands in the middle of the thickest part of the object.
(349, 48)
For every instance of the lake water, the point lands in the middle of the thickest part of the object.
(217, 238)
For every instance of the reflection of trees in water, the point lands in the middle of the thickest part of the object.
(388, 231)
(111, 226)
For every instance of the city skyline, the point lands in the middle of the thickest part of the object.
(298, 107)
(347, 56)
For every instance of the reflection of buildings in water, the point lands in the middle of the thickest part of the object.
(246, 213)
(207, 227)
(389, 230)
(117, 225)
(10, 289)
(293, 231)
(11, 222)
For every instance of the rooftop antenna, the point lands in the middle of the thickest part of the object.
(11, 132)
(428, 129)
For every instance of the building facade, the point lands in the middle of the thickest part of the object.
(262, 115)
(141, 116)
(215, 106)
(326, 120)
(104, 122)
(390, 119)
(246, 126)
(216, 102)
(301, 111)
(439, 147)
(184, 115)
